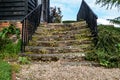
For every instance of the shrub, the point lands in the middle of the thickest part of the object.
(9, 47)
(11, 30)
(107, 49)
(56, 15)
(24, 60)
(3, 43)
(10, 50)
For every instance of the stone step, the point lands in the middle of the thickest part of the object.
(65, 28)
(58, 40)
(60, 43)
(56, 25)
(61, 37)
(53, 50)
(71, 59)
(70, 32)
(54, 57)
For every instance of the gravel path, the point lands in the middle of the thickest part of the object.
(60, 71)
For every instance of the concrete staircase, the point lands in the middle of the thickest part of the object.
(57, 40)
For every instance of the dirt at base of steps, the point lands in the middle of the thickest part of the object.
(64, 70)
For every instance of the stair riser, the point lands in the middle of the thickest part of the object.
(60, 38)
(51, 57)
(57, 25)
(58, 44)
(56, 51)
(61, 28)
(53, 51)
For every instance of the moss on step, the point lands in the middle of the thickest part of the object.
(35, 38)
(29, 52)
(84, 45)
(52, 50)
(60, 43)
(61, 38)
(44, 51)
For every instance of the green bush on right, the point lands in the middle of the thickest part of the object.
(107, 49)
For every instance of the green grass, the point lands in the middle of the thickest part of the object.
(5, 71)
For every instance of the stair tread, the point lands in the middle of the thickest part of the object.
(54, 57)
(86, 30)
(66, 47)
(62, 28)
(49, 50)
(53, 39)
(56, 35)
(61, 35)
(63, 24)
(64, 41)
(81, 22)
(59, 43)
(47, 28)
(57, 55)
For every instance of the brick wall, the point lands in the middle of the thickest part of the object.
(3, 24)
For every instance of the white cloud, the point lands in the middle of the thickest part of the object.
(106, 22)
(103, 21)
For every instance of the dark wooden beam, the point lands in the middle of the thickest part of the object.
(18, 8)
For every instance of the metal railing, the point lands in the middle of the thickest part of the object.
(85, 13)
(29, 24)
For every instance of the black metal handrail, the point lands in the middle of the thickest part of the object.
(85, 13)
(29, 24)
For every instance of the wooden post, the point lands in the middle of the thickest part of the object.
(45, 10)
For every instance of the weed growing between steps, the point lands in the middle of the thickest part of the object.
(24, 60)
(107, 49)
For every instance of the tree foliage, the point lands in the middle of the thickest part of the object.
(109, 3)
(56, 15)
(115, 21)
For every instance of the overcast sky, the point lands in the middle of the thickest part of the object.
(70, 9)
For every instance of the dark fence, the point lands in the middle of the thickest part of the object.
(29, 25)
(85, 13)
